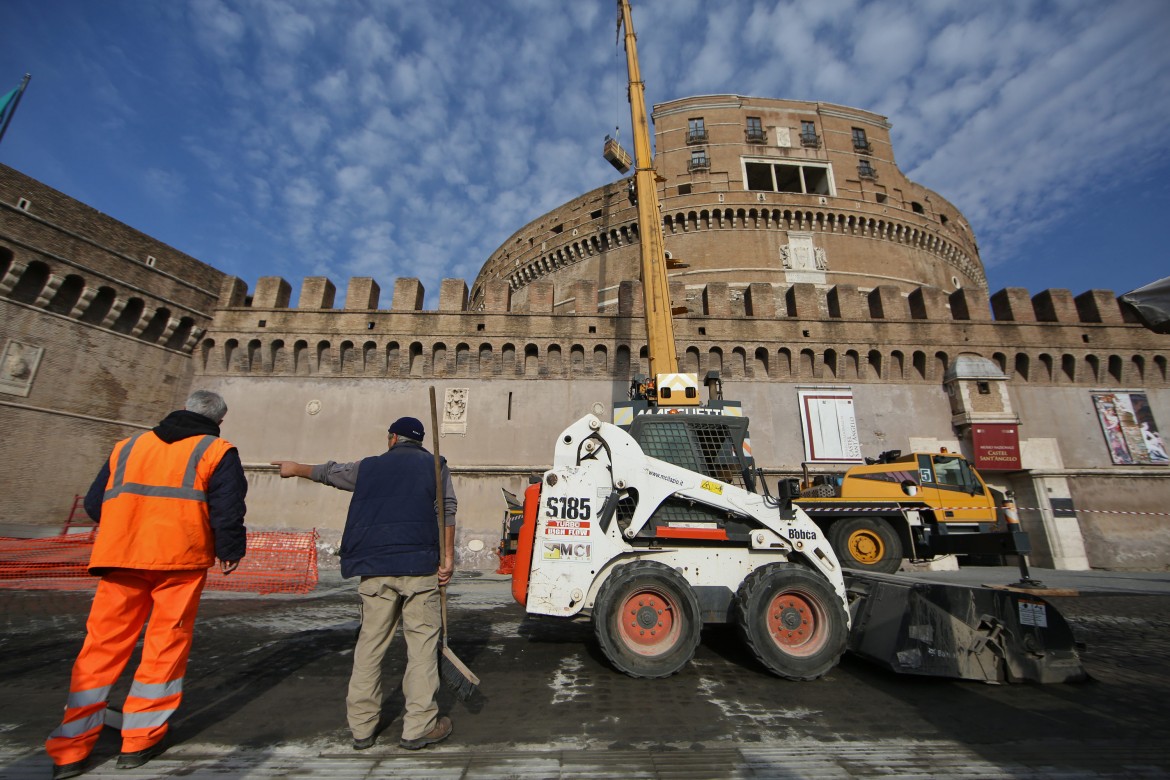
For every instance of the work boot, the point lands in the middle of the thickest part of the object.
(140, 757)
(364, 742)
(440, 732)
(63, 771)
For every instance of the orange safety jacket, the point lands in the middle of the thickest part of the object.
(154, 511)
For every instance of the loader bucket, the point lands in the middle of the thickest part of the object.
(914, 626)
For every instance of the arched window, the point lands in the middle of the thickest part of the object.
(277, 357)
(255, 356)
(577, 360)
(830, 369)
(370, 359)
(600, 361)
(95, 313)
(508, 360)
(1023, 367)
(439, 360)
(531, 360)
(553, 360)
(487, 363)
(324, 358)
(393, 359)
(179, 336)
(206, 348)
(897, 370)
(875, 364)
(31, 284)
(920, 365)
(129, 316)
(301, 365)
(1068, 368)
(347, 359)
(783, 362)
(1115, 370)
(621, 363)
(462, 359)
(691, 362)
(416, 360)
(230, 347)
(760, 366)
(67, 295)
(158, 323)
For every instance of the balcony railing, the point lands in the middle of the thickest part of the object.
(810, 139)
(866, 171)
(863, 146)
(698, 164)
(755, 136)
(696, 136)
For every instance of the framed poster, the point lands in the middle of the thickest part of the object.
(1131, 434)
(829, 425)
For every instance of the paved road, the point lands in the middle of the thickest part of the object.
(266, 687)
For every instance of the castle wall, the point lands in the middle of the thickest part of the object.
(317, 383)
(97, 324)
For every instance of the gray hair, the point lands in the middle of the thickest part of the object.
(210, 405)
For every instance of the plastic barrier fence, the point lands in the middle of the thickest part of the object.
(277, 562)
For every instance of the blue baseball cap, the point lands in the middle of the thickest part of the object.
(408, 427)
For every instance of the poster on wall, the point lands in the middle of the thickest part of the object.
(829, 425)
(1130, 431)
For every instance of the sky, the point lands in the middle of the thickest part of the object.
(394, 138)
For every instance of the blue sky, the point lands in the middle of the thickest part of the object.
(392, 138)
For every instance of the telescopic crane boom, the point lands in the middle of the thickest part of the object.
(660, 348)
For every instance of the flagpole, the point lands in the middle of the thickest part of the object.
(15, 105)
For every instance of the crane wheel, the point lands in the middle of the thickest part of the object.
(866, 543)
(647, 619)
(792, 620)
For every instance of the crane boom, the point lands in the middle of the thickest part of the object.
(655, 289)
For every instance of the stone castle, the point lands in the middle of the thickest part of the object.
(814, 269)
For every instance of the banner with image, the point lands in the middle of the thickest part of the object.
(1130, 431)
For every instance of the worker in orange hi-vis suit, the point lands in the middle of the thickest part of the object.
(168, 503)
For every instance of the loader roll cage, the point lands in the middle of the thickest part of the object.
(712, 446)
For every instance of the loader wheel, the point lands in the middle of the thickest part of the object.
(792, 620)
(647, 619)
(867, 543)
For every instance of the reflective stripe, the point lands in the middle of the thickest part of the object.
(137, 489)
(193, 463)
(187, 491)
(75, 728)
(144, 720)
(123, 458)
(156, 690)
(86, 698)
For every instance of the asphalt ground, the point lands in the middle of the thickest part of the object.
(266, 686)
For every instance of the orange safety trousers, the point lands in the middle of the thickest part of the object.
(124, 600)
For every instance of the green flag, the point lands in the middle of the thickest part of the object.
(6, 101)
(8, 105)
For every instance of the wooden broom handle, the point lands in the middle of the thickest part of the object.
(441, 504)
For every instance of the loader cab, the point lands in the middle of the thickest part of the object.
(706, 444)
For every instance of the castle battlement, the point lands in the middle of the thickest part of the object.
(762, 300)
(756, 331)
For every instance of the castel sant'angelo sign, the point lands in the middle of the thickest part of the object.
(813, 270)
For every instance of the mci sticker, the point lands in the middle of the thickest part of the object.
(568, 551)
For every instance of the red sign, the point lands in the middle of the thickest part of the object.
(996, 446)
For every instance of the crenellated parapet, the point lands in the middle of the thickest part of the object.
(758, 331)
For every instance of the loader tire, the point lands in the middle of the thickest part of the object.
(867, 544)
(647, 619)
(792, 620)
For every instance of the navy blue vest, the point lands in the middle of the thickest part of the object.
(392, 529)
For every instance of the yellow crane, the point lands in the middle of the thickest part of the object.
(665, 385)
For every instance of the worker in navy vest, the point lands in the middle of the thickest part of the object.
(391, 541)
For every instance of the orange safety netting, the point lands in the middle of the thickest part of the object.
(277, 562)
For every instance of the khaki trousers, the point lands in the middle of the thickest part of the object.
(386, 601)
